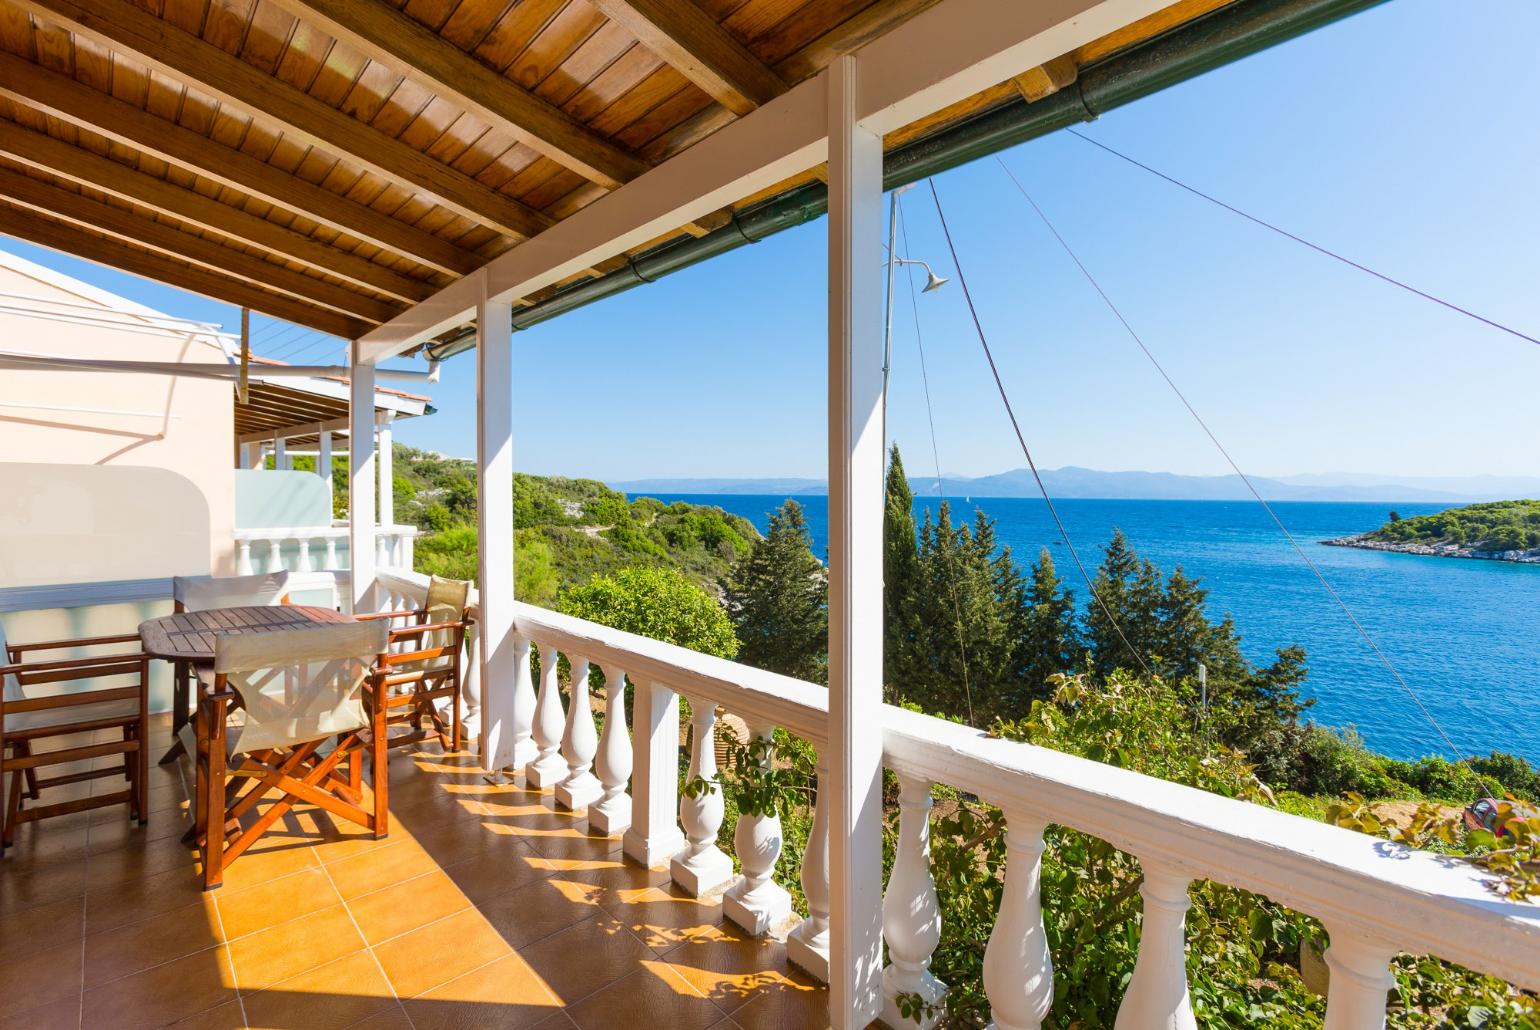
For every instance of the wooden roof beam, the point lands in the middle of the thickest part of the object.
(131, 30)
(401, 41)
(137, 230)
(88, 168)
(45, 232)
(61, 96)
(705, 53)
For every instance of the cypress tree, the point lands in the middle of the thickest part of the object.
(778, 596)
(1049, 641)
(901, 578)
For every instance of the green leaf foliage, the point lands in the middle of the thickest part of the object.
(1492, 526)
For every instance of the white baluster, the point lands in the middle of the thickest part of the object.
(756, 902)
(654, 836)
(611, 813)
(524, 749)
(911, 915)
(548, 768)
(274, 555)
(470, 689)
(304, 564)
(1157, 997)
(702, 867)
(579, 743)
(1018, 970)
(381, 549)
(807, 947)
(331, 552)
(243, 566)
(1360, 980)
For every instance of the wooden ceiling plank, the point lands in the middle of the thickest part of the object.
(136, 230)
(687, 38)
(90, 169)
(45, 232)
(62, 97)
(132, 30)
(402, 42)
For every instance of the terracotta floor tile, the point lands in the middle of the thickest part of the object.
(124, 864)
(60, 839)
(393, 1018)
(406, 906)
(494, 871)
(376, 870)
(288, 949)
(664, 916)
(44, 926)
(575, 845)
(586, 957)
(56, 1015)
(538, 909)
(113, 904)
(42, 977)
(268, 859)
(785, 1007)
(40, 883)
(506, 993)
(338, 994)
(112, 834)
(348, 840)
(560, 1021)
(162, 994)
(455, 840)
(228, 1016)
(161, 938)
(652, 996)
(275, 901)
(729, 967)
(439, 952)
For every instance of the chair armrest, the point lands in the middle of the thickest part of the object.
(87, 667)
(408, 632)
(371, 616)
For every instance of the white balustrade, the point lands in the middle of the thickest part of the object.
(1157, 998)
(1360, 980)
(654, 837)
(610, 814)
(393, 547)
(911, 916)
(701, 867)
(807, 946)
(1018, 970)
(303, 564)
(331, 553)
(579, 742)
(756, 902)
(470, 689)
(548, 768)
(524, 749)
(243, 566)
(274, 555)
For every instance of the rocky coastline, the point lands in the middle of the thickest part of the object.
(1367, 542)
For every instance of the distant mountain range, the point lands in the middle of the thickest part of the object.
(1072, 482)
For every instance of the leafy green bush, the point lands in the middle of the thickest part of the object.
(658, 603)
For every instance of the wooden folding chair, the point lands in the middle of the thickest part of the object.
(309, 703)
(425, 663)
(51, 700)
(201, 593)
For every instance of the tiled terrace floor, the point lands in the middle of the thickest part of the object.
(485, 907)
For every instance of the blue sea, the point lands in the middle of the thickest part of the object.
(1462, 633)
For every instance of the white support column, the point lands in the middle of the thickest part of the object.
(323, 462)
(384, 441)
(855, 555)
(251, 455)
(280, 454)
(494, 519)
(361, 484)
(654, 837)
(1157, 995)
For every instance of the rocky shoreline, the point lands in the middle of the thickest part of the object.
(1366, 541)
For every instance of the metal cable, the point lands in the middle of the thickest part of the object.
(978, 326)
(1384, 659)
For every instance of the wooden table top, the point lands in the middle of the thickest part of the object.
(189, 636)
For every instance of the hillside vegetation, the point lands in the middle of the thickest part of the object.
(566, 531)
(1494, 526)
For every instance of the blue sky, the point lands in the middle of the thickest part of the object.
(1401, 137)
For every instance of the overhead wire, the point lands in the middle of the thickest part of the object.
(1318, 248)
(1315, 569)
(978, 325)
(930, 415)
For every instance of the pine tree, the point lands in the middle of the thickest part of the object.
(778, 596)
(1111, 615)
(1049, 643)
(902, 626)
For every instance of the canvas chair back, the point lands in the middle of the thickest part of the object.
(299, 685)
(200, 593)
(445, 602)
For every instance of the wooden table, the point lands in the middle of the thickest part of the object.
(187, 638)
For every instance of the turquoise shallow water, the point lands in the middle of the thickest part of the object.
(1462, 633)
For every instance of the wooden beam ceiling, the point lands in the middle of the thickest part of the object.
(131, 30)
(46, 232)
(74, 102)
(87, 168)
(402, 42)
(705, 53)
(134, 228)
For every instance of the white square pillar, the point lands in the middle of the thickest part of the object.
(361, 483)
(855, 556)
(280, 454)
(494, 520)
(384, 435)
(323, 462)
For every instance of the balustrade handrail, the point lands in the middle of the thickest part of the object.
(333, 531)
(1409, 900)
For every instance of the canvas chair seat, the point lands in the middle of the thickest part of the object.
(22, 722)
